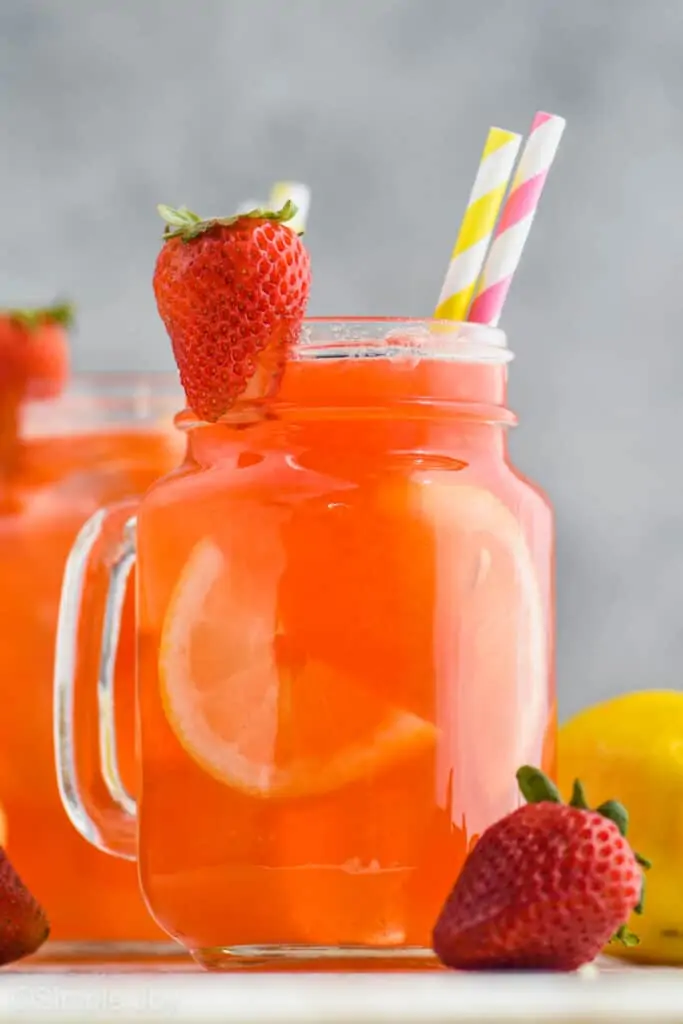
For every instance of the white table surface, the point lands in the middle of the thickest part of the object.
(182, 994)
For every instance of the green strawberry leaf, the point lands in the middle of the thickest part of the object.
(536, 787)
(626, 937)
(32, 318)
(616, 812)
(645, 865)
(578, 799)
(640, 906)
(180, 218)
(182, 223)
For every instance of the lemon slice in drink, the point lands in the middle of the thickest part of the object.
(249, 707)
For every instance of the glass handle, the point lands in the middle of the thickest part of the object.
(88, 774)
(119, 571)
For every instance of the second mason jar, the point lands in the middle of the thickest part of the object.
(107, 438)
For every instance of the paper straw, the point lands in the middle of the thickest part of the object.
(495, 168)
(299, 194)
(516, 219)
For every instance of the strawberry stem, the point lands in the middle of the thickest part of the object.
(60, 313)
(186, 225)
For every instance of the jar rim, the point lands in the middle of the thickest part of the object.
(396, 337)
(93, 400)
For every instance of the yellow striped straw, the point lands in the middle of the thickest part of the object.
(486, 198)
(299, 194)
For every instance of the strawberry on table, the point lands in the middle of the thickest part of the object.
(23, 924)
(232, 293)
(545, 888)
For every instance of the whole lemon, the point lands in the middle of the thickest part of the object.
(631, 749)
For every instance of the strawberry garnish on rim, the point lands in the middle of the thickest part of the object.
(34, 350)
(34, 365)
(545, 888)
(232, 293)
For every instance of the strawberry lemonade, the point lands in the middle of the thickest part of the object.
(62, 455)
(344, 611)
(344, 649)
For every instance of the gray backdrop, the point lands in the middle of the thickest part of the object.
(110, 106)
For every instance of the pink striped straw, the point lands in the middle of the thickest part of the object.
(516, 219)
